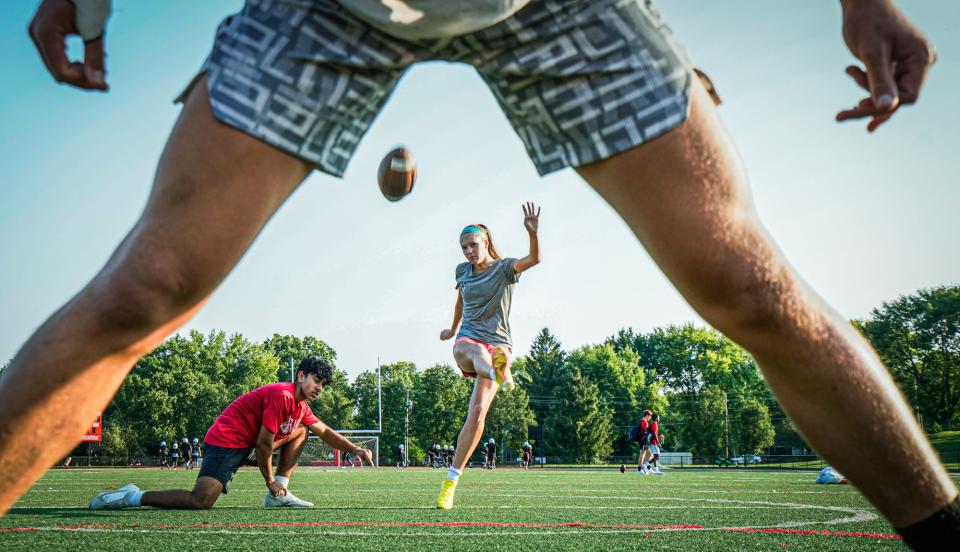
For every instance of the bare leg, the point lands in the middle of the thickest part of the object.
(686, 197)
(643, 456)
(290, 450)
(474, 358)
(205, 493)
(214, 190)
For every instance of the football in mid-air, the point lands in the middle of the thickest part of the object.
(397, 174)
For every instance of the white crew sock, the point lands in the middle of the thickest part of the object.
(133, 498)
(282, 480)
(453, 474)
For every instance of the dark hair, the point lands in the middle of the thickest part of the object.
(319, 367)
(655, 417)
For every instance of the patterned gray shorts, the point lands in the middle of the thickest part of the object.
(579, 80)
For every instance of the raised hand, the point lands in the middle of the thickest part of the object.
(531, 217)
(895, 55)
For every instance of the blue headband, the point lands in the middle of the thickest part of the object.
(471, 230)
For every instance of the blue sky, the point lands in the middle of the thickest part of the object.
(864, 218)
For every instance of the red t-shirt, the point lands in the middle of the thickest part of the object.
(655, 433)
(272, 406)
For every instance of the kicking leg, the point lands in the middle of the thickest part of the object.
(214, 189)
(484, 390)
(686, 198)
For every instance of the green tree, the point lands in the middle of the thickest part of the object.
(622, 384)
(546, 369)
(509, 418)
(397, 378)
(918, 338)
(580, 425)
(440, 401)
(702, 425)
(290, 350)
(335, 405)
(687, 358)
(754, 428)
(181, 387)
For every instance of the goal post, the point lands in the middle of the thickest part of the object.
(318, 453)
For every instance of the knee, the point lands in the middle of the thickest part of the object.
(298, 437)
(144, 292)
(750, 306)
(478, 413)
(203, 501)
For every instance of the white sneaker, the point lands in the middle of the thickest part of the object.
(657, 472)
(113, 500)
(285, 501)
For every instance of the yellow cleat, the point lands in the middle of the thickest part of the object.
(501, 369)
(445, 500)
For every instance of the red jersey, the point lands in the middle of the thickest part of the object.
(655, 433)
(272, 406)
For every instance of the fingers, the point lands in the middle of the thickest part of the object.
(864, 109)
(911, 72)
(53, 22)
(53, 51)
(93, 64)
(859, 76)
(875, 123)
(883, 88)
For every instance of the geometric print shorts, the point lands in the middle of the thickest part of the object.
(579, 80)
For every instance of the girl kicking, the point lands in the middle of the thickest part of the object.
(483, 347)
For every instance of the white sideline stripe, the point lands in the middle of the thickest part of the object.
(464, 534)
(857, 514)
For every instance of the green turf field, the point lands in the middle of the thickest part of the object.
(506, 509)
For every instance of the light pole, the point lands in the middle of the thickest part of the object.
(406, 430)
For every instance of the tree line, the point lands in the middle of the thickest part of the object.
(573, 405)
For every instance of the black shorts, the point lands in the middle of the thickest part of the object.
(221, 463)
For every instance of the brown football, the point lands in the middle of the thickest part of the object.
(397, 174)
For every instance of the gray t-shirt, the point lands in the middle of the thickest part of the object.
(432, 19)
(486, 301)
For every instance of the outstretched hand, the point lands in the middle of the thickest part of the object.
(531, 217)
(895, 55)
(365, 456)
(54, 21)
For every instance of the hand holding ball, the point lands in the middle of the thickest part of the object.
(397, 174)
